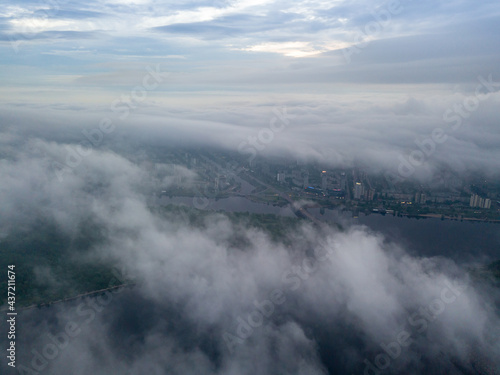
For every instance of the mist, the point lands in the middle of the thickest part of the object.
(220, 297)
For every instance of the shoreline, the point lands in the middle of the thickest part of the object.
(445, 217)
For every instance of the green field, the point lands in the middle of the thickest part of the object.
(51, 265)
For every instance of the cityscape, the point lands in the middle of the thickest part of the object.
(354, 189)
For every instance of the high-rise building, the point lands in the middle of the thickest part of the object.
(487, 203)
(324, 180)
(370, 194)
(420, 198)
(358, 190)
(423, 198)
(280, 177)
(343, 181)
(477, 201)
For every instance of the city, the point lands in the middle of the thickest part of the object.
(282, 182)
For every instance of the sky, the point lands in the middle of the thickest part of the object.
(363, 80)
(247, 45)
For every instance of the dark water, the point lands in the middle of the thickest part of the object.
(231, 204)
(462, 241)
(125, 321)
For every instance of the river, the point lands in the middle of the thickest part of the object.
(463, 242)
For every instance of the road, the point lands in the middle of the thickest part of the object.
(299, 212)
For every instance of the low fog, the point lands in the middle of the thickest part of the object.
(325, 301)
(403, 134)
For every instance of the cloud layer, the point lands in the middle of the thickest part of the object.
(365, 80)
(328, 303)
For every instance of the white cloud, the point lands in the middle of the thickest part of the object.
(194, 285)
(296, 49)
(36, 25)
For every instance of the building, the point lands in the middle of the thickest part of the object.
(420, 198)
(473, 199)
(280, 177)
(358, 190)
(487, 203)
(370, 194)
(417, 198)
(324, 181)
(343, 181)
(477, 201)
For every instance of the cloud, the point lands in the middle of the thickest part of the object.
(339, 297)
(379, 130)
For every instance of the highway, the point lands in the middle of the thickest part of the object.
(301, 212)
